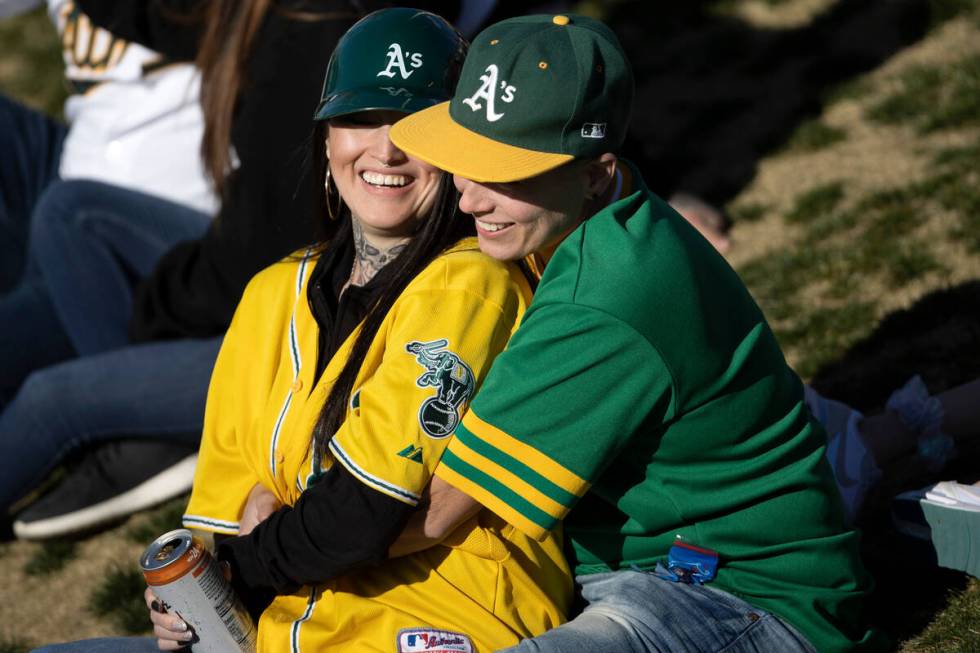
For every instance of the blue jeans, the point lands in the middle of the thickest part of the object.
(94, 243)
(90, 244)
(628, 612)
(72, 250)
(154, 390)
(636, 612)
(104, 645)
(30, 152)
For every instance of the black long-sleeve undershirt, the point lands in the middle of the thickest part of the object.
(337, 525)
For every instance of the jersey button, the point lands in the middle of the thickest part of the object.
(280, 457)
(297, 385)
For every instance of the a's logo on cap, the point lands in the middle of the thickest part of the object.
(396, 59)
(488, 92)
(594, 130)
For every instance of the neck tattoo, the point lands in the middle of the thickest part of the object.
(368, 259)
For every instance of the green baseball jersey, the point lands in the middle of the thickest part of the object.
(645, 389)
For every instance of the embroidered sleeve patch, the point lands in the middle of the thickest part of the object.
(452, 379)
(433, 641)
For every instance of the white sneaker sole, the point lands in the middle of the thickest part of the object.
(169, 483)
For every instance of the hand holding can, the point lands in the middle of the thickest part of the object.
(189, 583)
(171, 631)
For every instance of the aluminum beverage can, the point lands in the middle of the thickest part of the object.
(189, 582)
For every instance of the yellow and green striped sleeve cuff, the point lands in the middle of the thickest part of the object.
(513, 479)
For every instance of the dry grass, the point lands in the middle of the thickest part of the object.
(57, 606)
(835, 234)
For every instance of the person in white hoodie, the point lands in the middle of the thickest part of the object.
(134, 120)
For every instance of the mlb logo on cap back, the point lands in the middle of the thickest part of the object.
(594, 130)
(534, 93)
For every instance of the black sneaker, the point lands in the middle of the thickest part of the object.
(113, 481)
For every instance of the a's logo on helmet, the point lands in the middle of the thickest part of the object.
(452, 379)
(396, 91)
(397, 59)
(488, 92)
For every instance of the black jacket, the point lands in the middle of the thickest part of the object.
(267, 209)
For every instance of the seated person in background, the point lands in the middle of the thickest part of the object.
(644, 399)
(916, 433)
(134, 121)
(145, 316)
(707, 219)
(342, 376)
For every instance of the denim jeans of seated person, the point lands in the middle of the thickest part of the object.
(637, 612)
(89, 245)
(627, 612)
(31, 145)
(153, 390)
(105, 645)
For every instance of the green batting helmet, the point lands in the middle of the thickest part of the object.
(401, 59)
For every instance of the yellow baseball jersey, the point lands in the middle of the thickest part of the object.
(486, 587)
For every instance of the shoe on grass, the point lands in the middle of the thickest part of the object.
(110, 482)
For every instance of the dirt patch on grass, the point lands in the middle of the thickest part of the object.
(780, 14)
(872, 158)
(55, 607)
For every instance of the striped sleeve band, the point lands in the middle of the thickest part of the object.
(369, 479)
(521, 484)
(210, 524)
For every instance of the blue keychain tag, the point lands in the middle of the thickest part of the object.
(687, 563)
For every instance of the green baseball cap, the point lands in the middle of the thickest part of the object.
(535, 92)
(402, 59)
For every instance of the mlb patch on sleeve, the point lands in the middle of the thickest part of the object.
(428, 640)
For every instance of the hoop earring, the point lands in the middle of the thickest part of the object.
(331, 190)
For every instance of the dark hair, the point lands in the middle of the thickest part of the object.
(440, 230)
(230, 30)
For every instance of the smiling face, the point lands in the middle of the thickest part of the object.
(387, 191)
(519, 218)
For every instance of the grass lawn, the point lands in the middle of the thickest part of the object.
(859, 236)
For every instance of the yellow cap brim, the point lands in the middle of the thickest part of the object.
(434, 137)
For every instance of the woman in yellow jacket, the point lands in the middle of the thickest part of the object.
(339, 383)
(341, 379)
